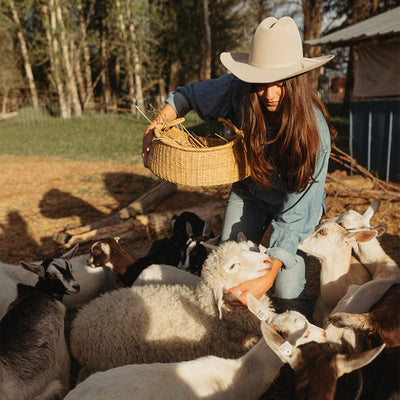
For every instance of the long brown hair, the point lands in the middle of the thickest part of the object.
(292, 151)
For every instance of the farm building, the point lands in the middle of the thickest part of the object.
(375, 101)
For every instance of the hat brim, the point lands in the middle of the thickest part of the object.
(237, 63)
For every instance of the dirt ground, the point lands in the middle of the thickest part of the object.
(42, 196)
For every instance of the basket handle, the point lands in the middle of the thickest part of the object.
(230, 125)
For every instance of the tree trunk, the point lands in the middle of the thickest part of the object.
(71, 82)
(86, 56)
(104, 71)
(25, 56)
(205, 72)
(312, 30)
(49, 23)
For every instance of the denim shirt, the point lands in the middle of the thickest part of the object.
(294, 214)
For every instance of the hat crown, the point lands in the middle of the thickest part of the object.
(276, 43)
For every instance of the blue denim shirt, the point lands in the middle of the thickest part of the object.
(294, 214)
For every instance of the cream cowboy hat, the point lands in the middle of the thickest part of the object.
(276, 53)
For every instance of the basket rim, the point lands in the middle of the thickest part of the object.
(172, 143)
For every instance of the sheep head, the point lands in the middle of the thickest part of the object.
(232, 263)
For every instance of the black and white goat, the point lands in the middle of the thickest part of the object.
(34, 359)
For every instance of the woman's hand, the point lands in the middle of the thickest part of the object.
(166, 114)
(257, 287)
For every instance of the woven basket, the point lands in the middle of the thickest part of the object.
(181, 157)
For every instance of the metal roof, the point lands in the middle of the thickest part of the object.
(385, 24)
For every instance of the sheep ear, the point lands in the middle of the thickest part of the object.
(36, 269)
(219, 298)
(348, 363)
(283, 349)
(70, 253)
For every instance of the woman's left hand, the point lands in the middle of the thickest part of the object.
(257, 287)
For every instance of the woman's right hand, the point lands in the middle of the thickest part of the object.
(147, 139)
(167, 114)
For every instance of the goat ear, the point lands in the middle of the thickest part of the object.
(209, 246)
(361, 236)
(189, 229)
(36, 269)
(207, 229)
(241, 237)
(106, 248)
(348, 363)
(380, 229)
(372, 209)
(70, 253)
(286, 352)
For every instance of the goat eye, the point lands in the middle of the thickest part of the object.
(232, 266)
(322, 232)
(52, 276)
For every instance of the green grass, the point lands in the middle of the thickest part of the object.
(104, 136)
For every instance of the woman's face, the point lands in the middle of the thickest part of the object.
(270, 94)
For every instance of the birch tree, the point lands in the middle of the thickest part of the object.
(25, 56)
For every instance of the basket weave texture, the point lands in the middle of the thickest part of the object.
(183, 158)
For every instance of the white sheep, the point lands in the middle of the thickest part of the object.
(332, 245)
(317, 366)
(34, 358)
(168, 323)
(245, 378)
(383, 269)
(93, 282)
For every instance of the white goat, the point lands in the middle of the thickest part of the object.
(383, 269)
(34, 359)
(92, 281)
(317, 366)
(169, 323)
(332, 245)
(208, 377)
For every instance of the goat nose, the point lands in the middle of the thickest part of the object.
(76, 287)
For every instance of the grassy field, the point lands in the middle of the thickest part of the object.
(101, 136)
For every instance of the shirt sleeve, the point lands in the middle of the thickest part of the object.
(301, 212)
(210, 99)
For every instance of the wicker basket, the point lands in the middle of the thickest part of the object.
(181, 157)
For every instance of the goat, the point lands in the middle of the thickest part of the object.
(331, 244)
(92, 282)
(34, 359)
(383, 269)
(212, 377)
(381, 324)
(317, 365)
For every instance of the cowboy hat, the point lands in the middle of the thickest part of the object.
(276, 53)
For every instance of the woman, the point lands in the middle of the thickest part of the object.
(288, 140)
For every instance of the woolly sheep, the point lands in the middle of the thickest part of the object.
(153, 323)
(208, 377)
(34, 359)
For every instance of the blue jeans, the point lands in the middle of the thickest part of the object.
(246, 211)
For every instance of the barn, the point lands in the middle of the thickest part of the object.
(375, 102)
